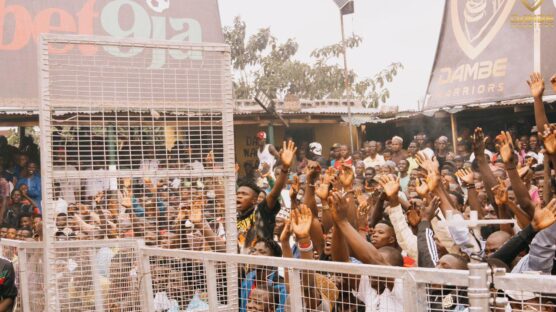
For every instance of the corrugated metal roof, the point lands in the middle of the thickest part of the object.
(315, 110)
(459, 108)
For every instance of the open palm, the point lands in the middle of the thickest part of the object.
(536, 84)
(544, 218)
(288, 153)
(301, 222)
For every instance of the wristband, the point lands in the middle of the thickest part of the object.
(468, 186)
(325, 207)
(510, 167)
(364, 229)
(306, 247)
(285, 170)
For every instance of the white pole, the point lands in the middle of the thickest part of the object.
(346, 82)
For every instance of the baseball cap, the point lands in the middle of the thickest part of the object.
(261, 135)
(315, 148)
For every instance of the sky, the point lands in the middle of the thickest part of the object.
(403, 31)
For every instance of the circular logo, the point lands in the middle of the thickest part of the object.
(158, 6)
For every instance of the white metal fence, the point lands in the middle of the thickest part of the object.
(129, 151)
(124, 275)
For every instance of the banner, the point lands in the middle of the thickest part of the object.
(22, 22)
(488, 48)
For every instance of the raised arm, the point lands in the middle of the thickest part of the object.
(510, 161)
(309, 200)
(536, 84)
(501, 198)
(286, 156)
(406, 239)
(488, 177)
(362, 250)
(301, 221)
(322, 193)
(215, 242)
(542, 219)
(468, 182)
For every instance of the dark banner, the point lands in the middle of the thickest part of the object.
(486, 50)
(22, 22)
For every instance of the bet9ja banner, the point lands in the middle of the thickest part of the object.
(488, 48)
(22, 22)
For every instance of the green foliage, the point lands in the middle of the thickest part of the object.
(260, 62)
(13, 135)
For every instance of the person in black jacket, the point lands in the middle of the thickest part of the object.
(8, 289)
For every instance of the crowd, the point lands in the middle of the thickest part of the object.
(386, 203)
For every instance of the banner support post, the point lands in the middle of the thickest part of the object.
(454, 124)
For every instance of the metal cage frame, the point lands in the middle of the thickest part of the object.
(47, 107)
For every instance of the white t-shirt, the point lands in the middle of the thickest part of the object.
(388, 301)
(377, 161)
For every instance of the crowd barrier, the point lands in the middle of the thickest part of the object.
(124, 275)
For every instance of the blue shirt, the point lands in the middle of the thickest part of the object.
(140, 210)
(247, 285)
(34, 185)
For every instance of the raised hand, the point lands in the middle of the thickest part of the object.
(390, 185)
(301, 222)
(361, 197)
(544, 218)
(363, 211)
(466, 175)
(346, 175)
(287, 154)
(431, 165)
(327, 178)
(286, 232)
(421, 188)
(294, 189)
(536, 84)
(548, 137)
(506, 147)
(338, 206)
(479, 141)
(413, 215)
(313, 171)
(427, 163)
(500, 192)
(196, 216)
(428, 211)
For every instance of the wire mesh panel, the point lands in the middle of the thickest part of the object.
(282, 284)
(28, 262)
(523, 292)
(446, 298)
(34, 276)
(97, 277)
(136, 152)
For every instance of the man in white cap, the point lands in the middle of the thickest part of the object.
(315, 154)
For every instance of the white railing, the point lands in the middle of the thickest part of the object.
(154, 279)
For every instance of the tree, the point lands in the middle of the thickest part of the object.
(262, 63)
